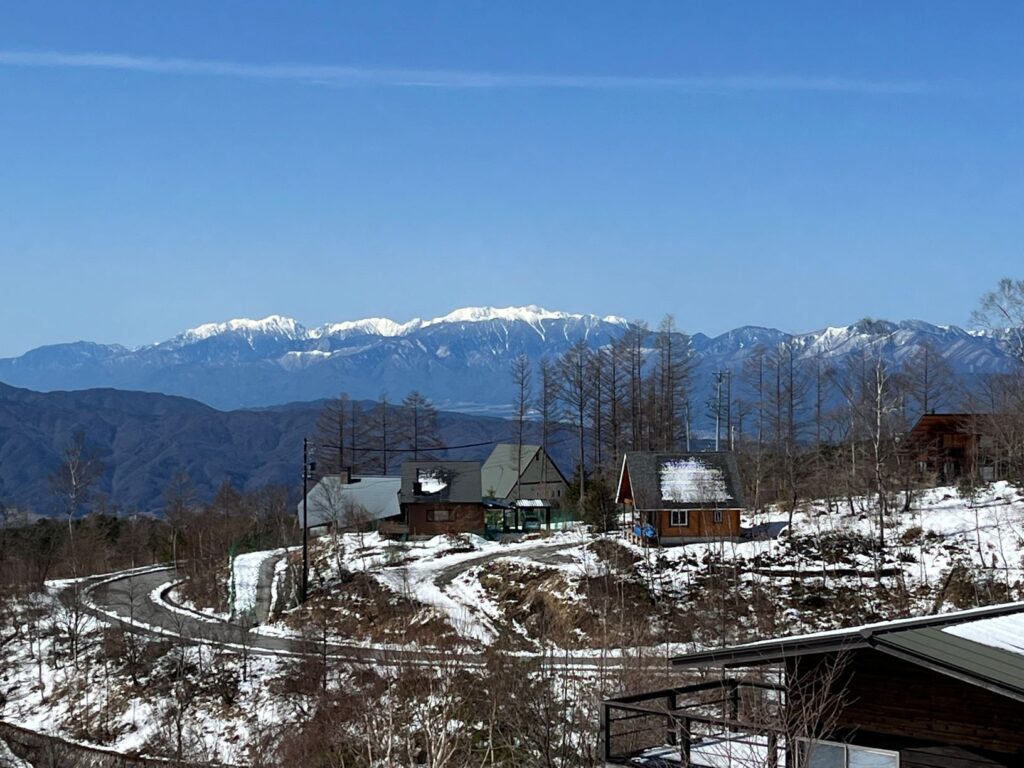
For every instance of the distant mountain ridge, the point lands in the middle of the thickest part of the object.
(460, 360)
(144, 439)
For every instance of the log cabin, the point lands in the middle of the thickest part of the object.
(944, 690)
(945, 447)
(675, 498)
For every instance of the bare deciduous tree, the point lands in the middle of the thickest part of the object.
(522, 380)
(72, 482)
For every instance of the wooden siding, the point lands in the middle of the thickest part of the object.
(701, 524)
(465, 518)
(890, 701)
(541, 480)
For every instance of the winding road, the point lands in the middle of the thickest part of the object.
(126, 600)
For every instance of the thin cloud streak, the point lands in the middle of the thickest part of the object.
(345, 76)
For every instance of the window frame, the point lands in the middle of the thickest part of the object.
(719, 516)
(847, 747)
(449, 515)
(672, 518)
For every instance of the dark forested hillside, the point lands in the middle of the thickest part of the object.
(144, 439)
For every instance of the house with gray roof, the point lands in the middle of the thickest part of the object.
(674, 498)
(438, 497)
(941, 690)
(539, 478)
(344, 502)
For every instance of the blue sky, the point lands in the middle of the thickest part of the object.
(786, 164)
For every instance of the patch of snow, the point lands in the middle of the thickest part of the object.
(245, 578)
(157, 596)
(431, 480)
(1003, 632)
(691, 481)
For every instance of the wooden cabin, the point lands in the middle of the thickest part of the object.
(943, 690)
(675, 498)
(436, 498)
(948, 446)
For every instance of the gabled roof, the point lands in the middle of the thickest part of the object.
(498, 474)
(982, 646)
(365, 498)
(690, 480)
(454, 482)
(930, 425)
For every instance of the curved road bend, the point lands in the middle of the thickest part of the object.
(126, 601)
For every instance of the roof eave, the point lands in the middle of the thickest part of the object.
(770, 654)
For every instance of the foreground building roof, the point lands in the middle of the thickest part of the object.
(982, 646)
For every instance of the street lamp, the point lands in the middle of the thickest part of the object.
(308, 467)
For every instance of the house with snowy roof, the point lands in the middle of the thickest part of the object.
(675, 498)
(437, 498)
(942, 690)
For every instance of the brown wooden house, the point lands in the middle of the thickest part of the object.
(673, 498)
(948, 446)
(438, 497)
(942, 690)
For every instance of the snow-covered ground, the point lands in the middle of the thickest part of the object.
(442, 573)
(820, 551)
(245, 579)
(71, 675)
(823, 571)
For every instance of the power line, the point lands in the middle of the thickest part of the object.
(361, 449)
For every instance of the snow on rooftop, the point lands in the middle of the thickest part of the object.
(1003, 632)
(431, 481)
(692, 481)
(909, 622)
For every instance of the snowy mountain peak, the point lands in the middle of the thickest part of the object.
(530, 314)
(272, 325)
(370, 326)
(382, 326)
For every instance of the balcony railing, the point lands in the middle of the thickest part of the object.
(720, 724)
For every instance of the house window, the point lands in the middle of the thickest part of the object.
(679, 518)
(439, 515)
(719, 516)
(827, 754)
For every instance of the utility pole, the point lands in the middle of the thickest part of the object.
(728, 405)
(307, 467)
(687, 424)
(721, 376)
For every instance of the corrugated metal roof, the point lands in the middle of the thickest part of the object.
(950, 654)
(983, 646)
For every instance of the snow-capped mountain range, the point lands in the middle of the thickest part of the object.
(460, 360)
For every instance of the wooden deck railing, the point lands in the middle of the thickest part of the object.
(676, 718)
